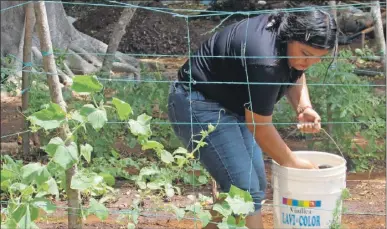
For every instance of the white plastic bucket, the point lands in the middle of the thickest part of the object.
(307, 198)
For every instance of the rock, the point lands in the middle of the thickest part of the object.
(353, 20)
(71, 19)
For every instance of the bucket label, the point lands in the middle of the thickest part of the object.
(299, 214)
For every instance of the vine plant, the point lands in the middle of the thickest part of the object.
(31, 187)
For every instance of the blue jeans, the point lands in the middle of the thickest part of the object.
(231, 155)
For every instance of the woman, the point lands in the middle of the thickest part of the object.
(231, 87)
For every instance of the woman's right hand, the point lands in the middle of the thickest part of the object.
(300, 163)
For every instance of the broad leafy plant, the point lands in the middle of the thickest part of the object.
(352, 108)
(30, 188)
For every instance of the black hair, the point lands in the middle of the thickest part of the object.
(311, 26)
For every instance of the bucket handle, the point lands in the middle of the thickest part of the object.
(333, 142)
(330, 137)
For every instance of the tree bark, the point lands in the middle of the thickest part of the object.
(73, 196)
(64, 37)
(29, 25)
(378, 29)
(117, 34)
(332, 4)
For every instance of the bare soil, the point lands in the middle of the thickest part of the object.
(150, 32)
(365, 207)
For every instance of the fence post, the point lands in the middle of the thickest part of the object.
(29, 25)
(378, 30)
(73, 196)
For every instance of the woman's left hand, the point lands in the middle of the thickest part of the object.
(310, 121)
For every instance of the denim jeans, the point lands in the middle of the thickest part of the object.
(231, 155)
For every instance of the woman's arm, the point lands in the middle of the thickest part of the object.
(271, 142)
(298, 95)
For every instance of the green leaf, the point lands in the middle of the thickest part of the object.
(166, 157)
(66, 156)
(49, 118)
(7, 175)
(115, 154)
(35, 172)
(359, 52)
(10, 223)
(205, 217)
(44, 204)
(52, 146)
(343, 113)
(211, 128)
(95, 116)
(231, 221)
(53, 187)
(179, 212)
(203, 179)
(86, 152)
(141, 126)
(239, 206)
(141, 184)
(77, 117)
(223, 225)
(86, 84)
(84, 180)
(27, 192)
(223, 208)
(87, 109)
(52, 112)
(19, 212)
(195, 208)
(154, 185)
(147, 171)
(17, 187)
(181, 150)
(26, 220)
(97, 119)
(124, 110)
(5, 185)
(169, 191)
(235, 191)
(108, 178)
(34, 212)
(98, 209)
(152, 145)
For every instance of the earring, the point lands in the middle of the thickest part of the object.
(270, 24)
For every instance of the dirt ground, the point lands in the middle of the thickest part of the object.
(149, 32)
(365, 207)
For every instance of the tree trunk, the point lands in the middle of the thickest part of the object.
(29, 25)
(73, 196)
(379, 33)
(332, 4)
(64, 37)
(115, 39)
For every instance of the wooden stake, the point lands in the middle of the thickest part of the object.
(73, 196)
(29, 25)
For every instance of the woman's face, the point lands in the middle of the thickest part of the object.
(302, 56)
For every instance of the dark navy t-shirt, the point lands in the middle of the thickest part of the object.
(241, 56)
